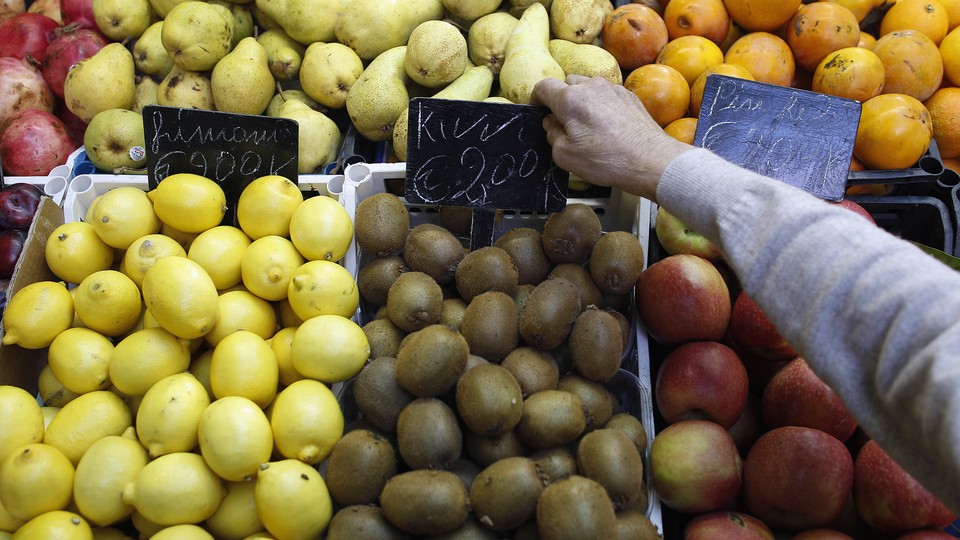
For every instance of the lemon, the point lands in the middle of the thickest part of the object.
(262, 535)
(181, 296)
(322, 288)
(321, 229)
(266, 206)
(175, 488)
(74, 251)
(287, 316)
(35, 478)
(306, 421)
(236, 517)
(182, 532)
(292, 499)
(51, 391)
(36, 314)
(80, 359)
(146, 356)
(144, 526)
(242, 310)
(108, 302)
(243, 364)
(267, 265)
(144, 251)
(104, 470)
(218, 251)
(169, 414)
(59, 524)
(282, 344)
(85, 419)
(185, 239)
(21, 421)
(235, 438)
(189, 202)
(329, 348)
(9, 523)
(122, 215)
(48, 412)
(109, 533)
(200, 368)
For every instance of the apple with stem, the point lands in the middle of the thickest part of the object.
(796, 396)
(702, 380)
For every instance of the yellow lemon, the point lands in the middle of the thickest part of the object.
(35, 478)
(286, 314)
(21, 421)
(243, 364)
(36, 314)
(321, 229)
(323, 288)
(185, 239)
(329, 348)
(282, 345)
(242, 310)
(48, 411)
(80, 359)
(108, 302)
(109, 533)
(189, 202)
(146, 356)
(292, 499)
(181, 296)
(145, 251)
(104, 470)
(236, 517)
(122, 215)
(186, 531)
(74, 251)
(235, 438)
(266, 206)
(218, 251)
(144, 526)
(85, 419)
(169, 414)
(267, 265)
(59, 524)
(9, 523)
(51, 390)
(175, 488)
(262, 535)
(306, 421)
(200, 368)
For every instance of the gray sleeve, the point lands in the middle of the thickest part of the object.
(876, 318)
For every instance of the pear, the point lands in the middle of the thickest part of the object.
(163, 7)
(186, 89)
(585, 59)
(282, 96)
(487, 39)
(122, 19)
(328, 72)
(319, 136)
(243, 23)
(579, 21)
(197, 34)
(473, 85)
(284, 54)
(114, 140)
(100, 82)
(471, 10)
(149, 56)
(262, 20)
(527, 58)
(497, 99)
(370, 27)
(146, 93)
(380, 94)
(241, 81)
(436, 54)
(519, 6)
(307, 21)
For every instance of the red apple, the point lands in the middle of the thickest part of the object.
(796, 396)
(683, 298)
(748, 428)
(797, 478)
(821, 534)
(726, 525)
(754, 333)
(856, 208)
(18, 204)
(702, 380)
(889, 499)
(695, 467)
(11, 246)
(676, 237)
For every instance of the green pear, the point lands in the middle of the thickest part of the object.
(186, 89)
(487, 39)
(243, 24)
(585, 59)
(471, 10)
(163, 7)
(100, 82)
(146, 93)
(262, 20)
(497, 99)
(380, 94)
(241, 81)
(197, 34)
(436, 54)
(282, 96)
(284, 54)
(114, 140)
(319, 137)
(370, 27)
(122, 19)
(328, 72)
(527, 58)
(579, 21)
(473, 85)
(149, 56)
(307, 21)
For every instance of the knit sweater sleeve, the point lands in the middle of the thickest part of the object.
(875, 317)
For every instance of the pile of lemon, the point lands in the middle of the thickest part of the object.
(187, 391)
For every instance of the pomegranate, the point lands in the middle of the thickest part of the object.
(75, 125)
(33, 142)
(22, 87)
(79, 12)
(27, 34)
(50, 8)
(71, 45)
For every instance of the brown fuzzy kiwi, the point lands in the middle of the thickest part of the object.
(610, 457)
(430, 360)
(489, 399)
(549, 313)
(557, 463)
(428, 435)
(433, 250)
(534, 369)
(631, 426)
(575, 508)
(358, 467)
(635, 525)
(471, 529)
(596, 345)
(378, 395)
(384, 337)
(425, 502)
(362, 521)
(616, 262)
(485, 450)
(414, 301)
(377, 275)
(570, 234)
(486, 269)
(521, 293)
(598, 401)
(525, 247)
(504, 494)
(551, 418)
(381, 224)
(490, 325)
(451, 314)
(590, 294)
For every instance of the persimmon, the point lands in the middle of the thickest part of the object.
(761, 15)
(682, 129)
(944, 108)
(634, 35)
(707, 18)
(690, 55)
(952, 8)
(851, 72)
(927, 16)
(662, 89)
(767, 57)
(952, 163)
(894, 132)
(859, 8)
(733, 34)
(818, 29)
(911, 62)
(696, 89)
(950, 54)
(867, 41)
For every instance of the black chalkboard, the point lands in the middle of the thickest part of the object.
(231, 149)
(801, 137)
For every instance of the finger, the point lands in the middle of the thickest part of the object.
(553, 128)
(576, 78)
(547, 92)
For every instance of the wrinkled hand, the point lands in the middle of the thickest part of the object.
(602, 133)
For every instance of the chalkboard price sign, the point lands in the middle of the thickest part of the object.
(801, 137)
(231, 149)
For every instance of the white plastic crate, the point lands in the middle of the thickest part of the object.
(53, 186)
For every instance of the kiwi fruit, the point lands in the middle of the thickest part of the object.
(626, 329)
(599, 403)
(377, 275)
(533, 369)
(428, 435)
(414, 301)
(521, 293)
(466, 469)
(456, 219)
(486, 269)
(384, 337)
(378, 395)
(474, 361)
(635, 525)
(551, 418)
(590, 294)
(430, 361)
(451, 312)
(358, 467)
(610, 457)
(362, 522)
(490, 325)
(471, 529)
(575, 508)
(631, 426)
(489, 399)
(423, 502)
(570, 234)
(381, 224)
(525, 247)
(596, 345)
(504, 495)
(556, 463)
(549, 313)
(433, 250)
(616, 262)
(484, 450)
